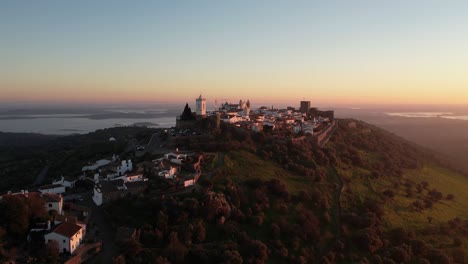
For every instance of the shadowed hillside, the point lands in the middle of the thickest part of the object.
(367, 196)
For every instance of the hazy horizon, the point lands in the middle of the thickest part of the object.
(331, 53)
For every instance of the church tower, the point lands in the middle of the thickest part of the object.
(201, 106)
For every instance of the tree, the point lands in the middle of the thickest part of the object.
(256, 251)
(199, 232)
(232, 257)
(53, 251)
(175, 250)
(14, 215)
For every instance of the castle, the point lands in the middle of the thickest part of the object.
(189, 119)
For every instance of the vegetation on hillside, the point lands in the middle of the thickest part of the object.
(367, 196)
(23, 156)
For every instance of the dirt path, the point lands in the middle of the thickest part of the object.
(41, 176)
(106, 234)
(335, 213)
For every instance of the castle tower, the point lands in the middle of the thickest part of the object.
(201, 106)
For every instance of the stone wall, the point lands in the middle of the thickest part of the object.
(322, 138)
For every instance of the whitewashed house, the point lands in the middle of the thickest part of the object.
(125, 165)
(99, 163)
(132, 177)
(115, 170)
(175, 157)
(68, 236)
(257, 127)
(168, 170)
(53, 202)
(297, 129)
(52, 188)
(308, 127)
(67, 183)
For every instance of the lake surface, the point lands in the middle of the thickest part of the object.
(447, 115)
(70, 121)
(63, 126)
(420, 114)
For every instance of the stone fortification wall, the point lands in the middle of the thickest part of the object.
(323, 136)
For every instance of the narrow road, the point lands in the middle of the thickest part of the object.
(106, 235)
(41, 176)
(220, 159)
(154, 145)
(334, 177)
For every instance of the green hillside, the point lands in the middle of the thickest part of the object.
(366, 197)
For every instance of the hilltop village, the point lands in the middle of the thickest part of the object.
(306, 120)
(67, 211)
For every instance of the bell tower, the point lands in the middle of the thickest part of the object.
(200, 106)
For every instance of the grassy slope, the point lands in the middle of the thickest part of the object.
(243, 165)
(399, 211)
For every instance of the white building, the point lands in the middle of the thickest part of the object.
(53, 202)
(297, 129)
(200, 106)
(125, 165)
(231, 119)
(52, 188)
(175, 157)
(68, 236)
(169, 172)
(308, 127)
(99, 163)
(67, 183)
(115, 169)
(132, 177)
(257, 127)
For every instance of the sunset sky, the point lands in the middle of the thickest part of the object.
(333, 52)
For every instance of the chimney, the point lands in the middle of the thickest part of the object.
(48, 224)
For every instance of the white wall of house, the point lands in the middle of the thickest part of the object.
(96, 165)
(188, 183)
(173, 155)
(126, 165)
(133, 178)
(83, 229)
(65, 183)
(97, 196)
(297, 129)
(65, 243)
(56, 190)
(177, 161)
(57, 206)
(257, 127)
(308, 128)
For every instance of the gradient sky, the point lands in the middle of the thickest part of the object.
(332, 52)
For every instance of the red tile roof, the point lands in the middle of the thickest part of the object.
(67, 229)
(51, 198)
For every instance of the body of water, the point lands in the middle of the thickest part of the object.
(62, 121)
(456, 117)
(420, 114)
(447, 115)
(63, 126)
